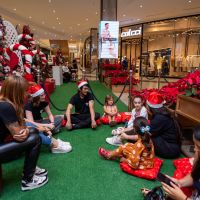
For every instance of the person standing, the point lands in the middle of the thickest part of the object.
(84, 115)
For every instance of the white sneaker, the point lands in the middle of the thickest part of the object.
(117, 131)
(62, 148)
(36, 182)
(67, 143)
(115, 140)
(40, 172)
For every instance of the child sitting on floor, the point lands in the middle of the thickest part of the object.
(122, 133)
(138, 155)
(110, 110)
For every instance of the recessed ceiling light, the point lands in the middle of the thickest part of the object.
(54, 11)
(189, 1)
(86, 19)
(78, 24)
(57, 18)
(14, 9)
(96, 13)
(141, 6)
(59, 23)
(30, 17)
(49, 1)
(138, 19)
(124, 15)
(18, 24)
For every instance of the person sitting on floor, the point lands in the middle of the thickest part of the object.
(84, 115)
(166, 135)
(33, 111)
(110, 110)
(18, 137)
(139, 154)
(36, 105)
(121, 133)
(192, 179)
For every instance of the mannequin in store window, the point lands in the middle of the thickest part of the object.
(159, 62)
(151, 61)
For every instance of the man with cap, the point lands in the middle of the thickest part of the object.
(165, 130)
(84, 115)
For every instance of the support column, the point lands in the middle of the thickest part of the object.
(108, 10)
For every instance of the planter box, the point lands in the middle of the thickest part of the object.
(188, 108)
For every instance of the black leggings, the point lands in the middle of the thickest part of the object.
(31, 147)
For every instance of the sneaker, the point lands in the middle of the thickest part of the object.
(62, 148)
(117, 131)
(115, 140)
(36, 182)
(40, 172)
(67, 143)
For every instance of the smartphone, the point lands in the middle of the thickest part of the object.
(163, 178)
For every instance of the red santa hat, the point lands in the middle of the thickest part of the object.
(82, 83)
(35, 90)
(155, 100)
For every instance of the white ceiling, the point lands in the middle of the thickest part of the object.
(72, 19)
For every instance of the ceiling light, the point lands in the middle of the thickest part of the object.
(43, 22)
(30, 17)
(86, 19)
(71, 36)
(14, 9)
(124, 15)
(59, 23)
(49, 1)
(141, 6)
(189, 1)
(78, 24)
(54, 11)
(96, 13)
(57, 18)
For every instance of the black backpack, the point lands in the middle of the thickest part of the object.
(155, 194)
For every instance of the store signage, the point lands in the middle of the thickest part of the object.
(131, 32)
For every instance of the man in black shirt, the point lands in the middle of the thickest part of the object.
(84, 115)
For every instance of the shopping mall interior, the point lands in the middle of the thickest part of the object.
(100, 99)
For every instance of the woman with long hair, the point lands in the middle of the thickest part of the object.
(21, 139)
(166, 135)
(192, 179)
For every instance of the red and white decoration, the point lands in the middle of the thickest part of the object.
(41, 54)
(25, 52)
(27, 37)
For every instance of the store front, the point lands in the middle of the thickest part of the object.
(169, 47)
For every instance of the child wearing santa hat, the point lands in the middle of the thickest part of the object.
(33, 110)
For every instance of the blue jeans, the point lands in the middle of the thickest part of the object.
(57, 123)
(45, 139)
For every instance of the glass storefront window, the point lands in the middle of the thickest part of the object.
(171, 47)
(168, 47)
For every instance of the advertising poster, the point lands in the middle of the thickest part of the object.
(108, 39)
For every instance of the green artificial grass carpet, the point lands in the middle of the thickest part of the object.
(81, 174)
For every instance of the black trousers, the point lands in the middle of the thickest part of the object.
(31, 147)
(165, 149)
(82, 120)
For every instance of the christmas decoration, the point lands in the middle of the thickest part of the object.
(59, 59)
